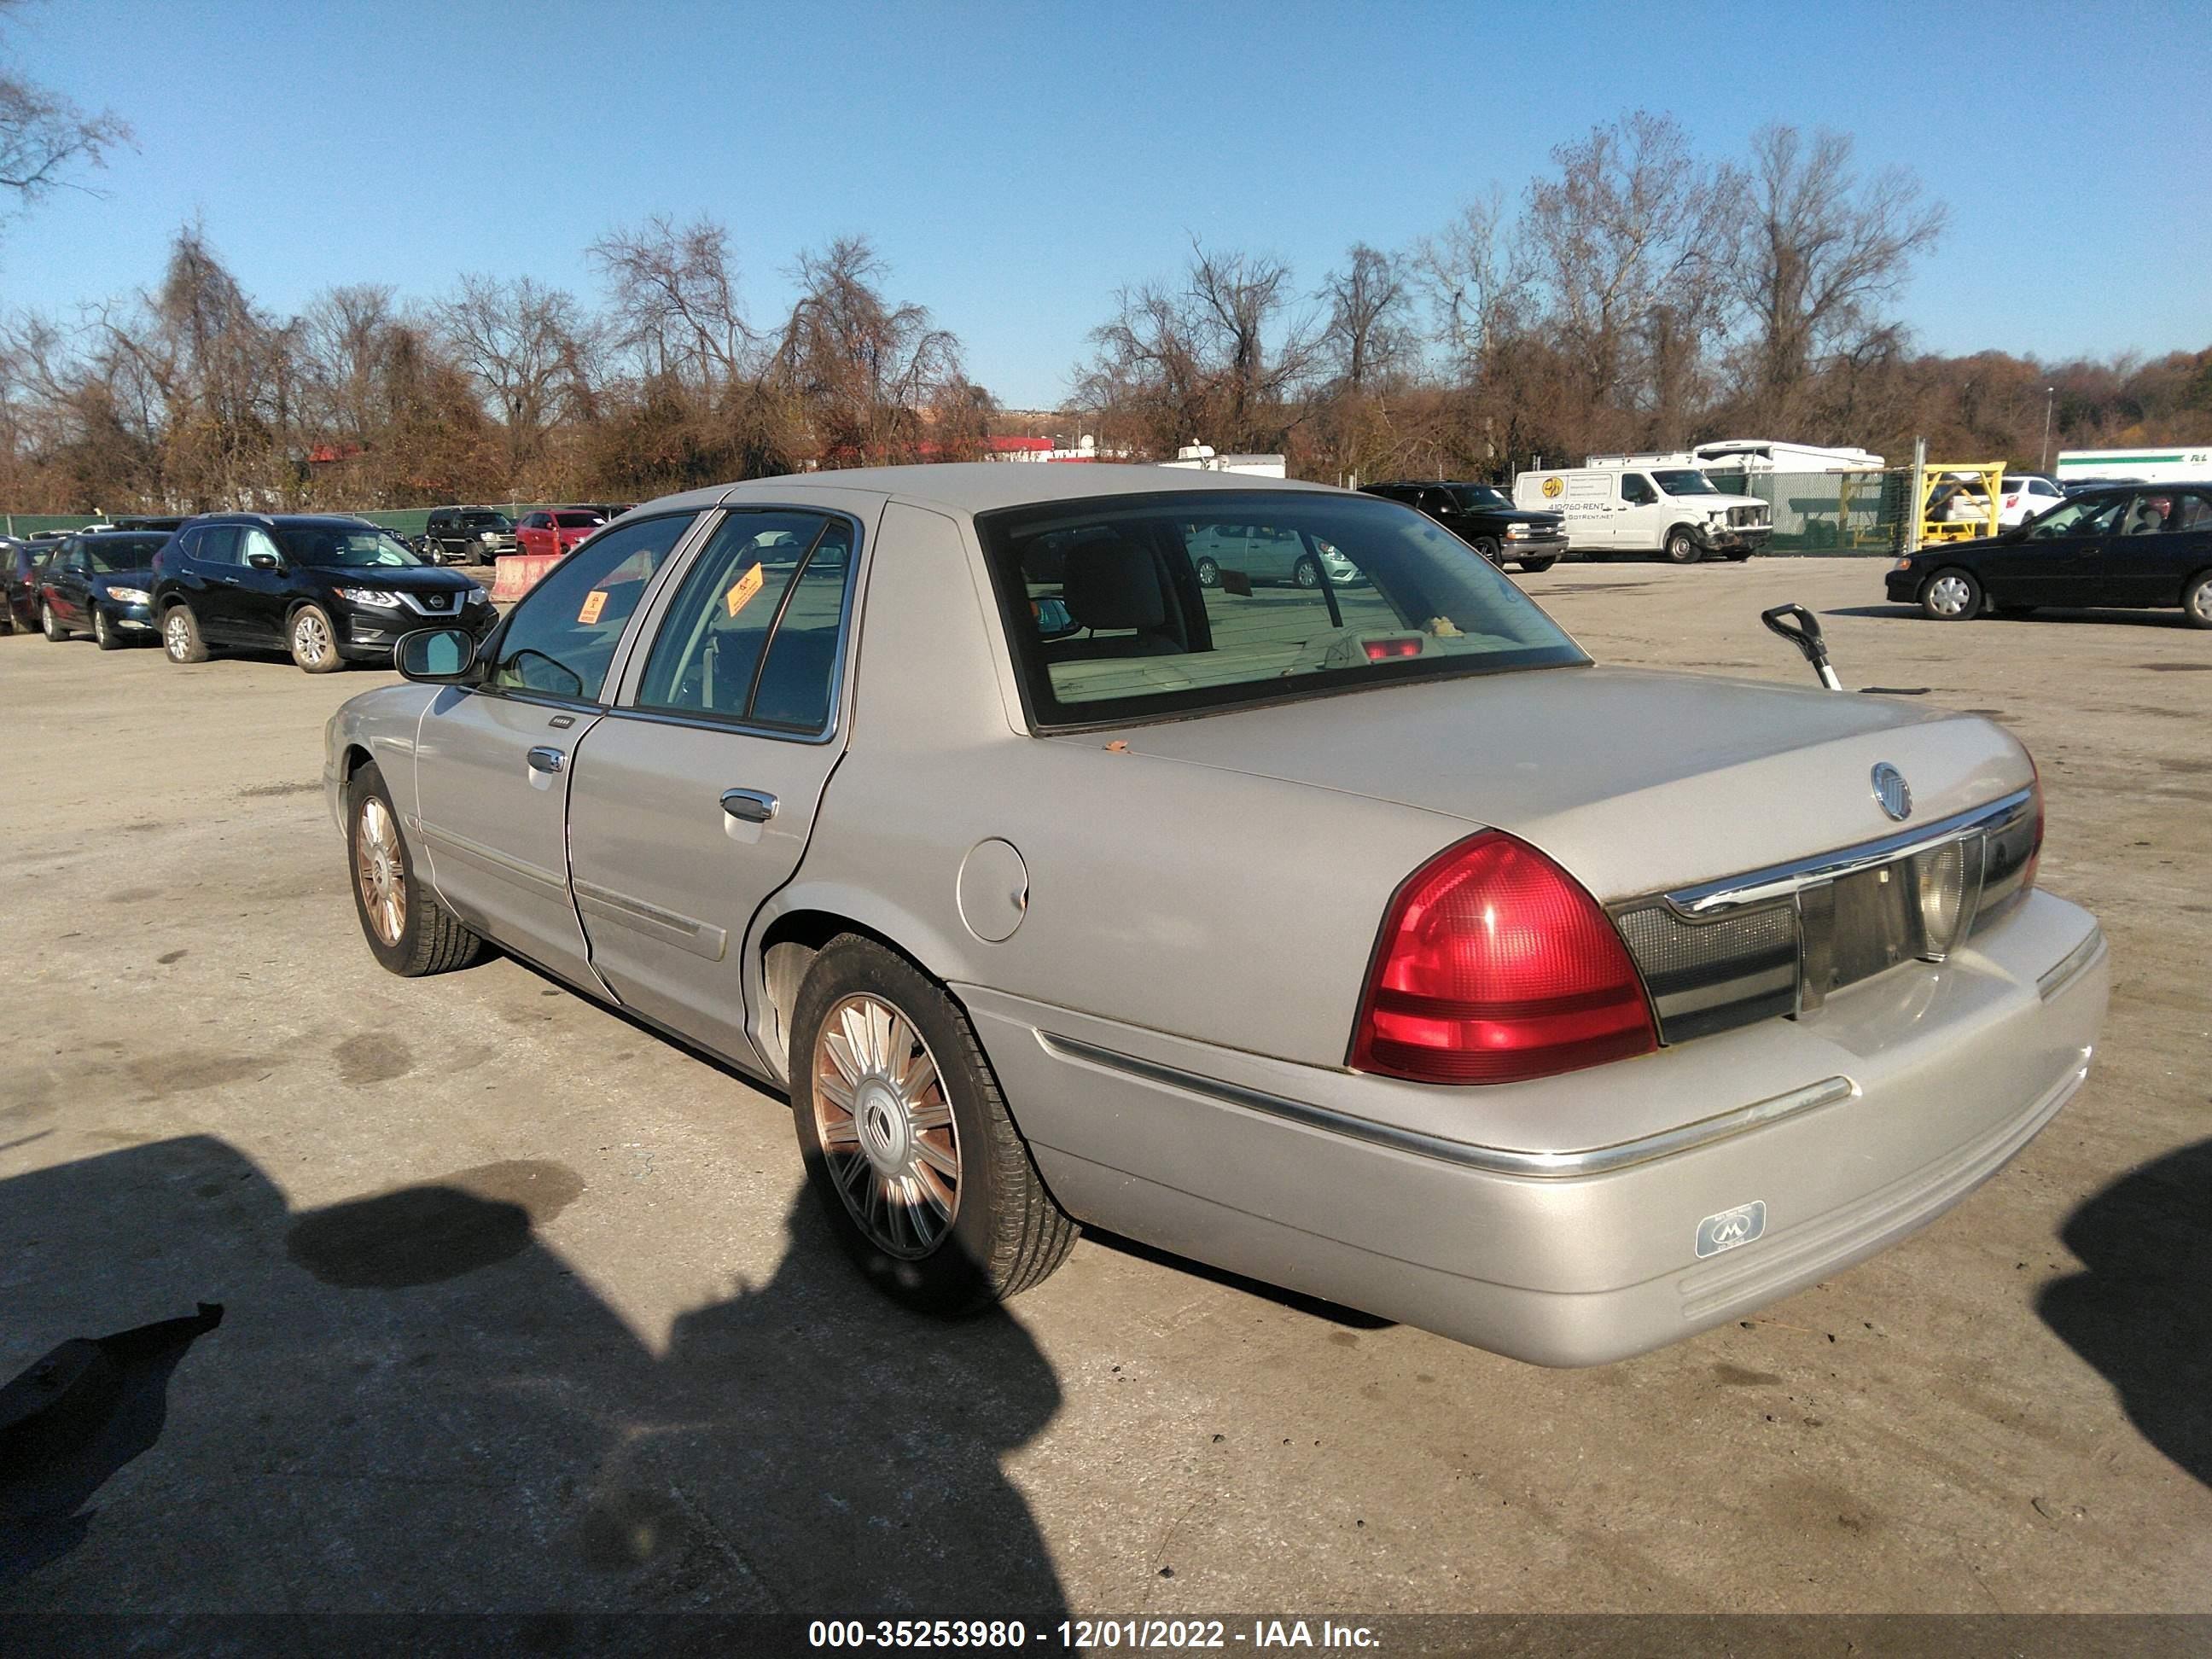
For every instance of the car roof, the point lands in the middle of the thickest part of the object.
(974, 487)
(286, 520)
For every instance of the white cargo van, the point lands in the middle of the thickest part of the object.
(1672, 510)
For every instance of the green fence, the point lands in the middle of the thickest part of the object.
(1833, 514)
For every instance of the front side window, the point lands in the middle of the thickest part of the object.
(1635, 491)
(253, 540)
(1481, 498)
(752, 634)
(561, 639)
(120, 553)
(1111, 618)
(2084, 517)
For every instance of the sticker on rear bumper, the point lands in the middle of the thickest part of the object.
(1730, 1228)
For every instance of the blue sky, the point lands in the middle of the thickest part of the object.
(1017, 162)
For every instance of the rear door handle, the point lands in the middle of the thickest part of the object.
(748, 806)
(546, 760)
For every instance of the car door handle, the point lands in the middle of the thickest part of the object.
(748, 806)
(546, 760)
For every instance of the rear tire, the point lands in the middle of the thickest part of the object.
(314, 642)
(51, 625)
(1209, 574)
(1950, 595)
(1306, 573)
(408, 931)
(1682, 548)
(919, 1105)
(180, 635)
(2196, 600)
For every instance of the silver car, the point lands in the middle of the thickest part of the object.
(1373, 942)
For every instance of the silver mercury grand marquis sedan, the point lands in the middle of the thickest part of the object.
(1367, 939)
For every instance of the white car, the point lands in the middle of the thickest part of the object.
(2024, 495)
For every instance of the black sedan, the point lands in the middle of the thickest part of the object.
(1483, 517)
(101, 585)
(328, 590)
(2131, 545)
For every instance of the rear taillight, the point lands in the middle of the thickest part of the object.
(1495, 966)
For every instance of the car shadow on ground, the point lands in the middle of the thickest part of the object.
(2139, 1310)
(412, 1403)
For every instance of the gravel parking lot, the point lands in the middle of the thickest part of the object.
(521, 1313)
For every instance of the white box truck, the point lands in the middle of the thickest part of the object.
(2144, 463)
(1673, 510)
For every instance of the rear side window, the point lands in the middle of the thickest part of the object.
(561, 639)
(218, 544)
(1133, 609)
(576, 520)
(752, 634)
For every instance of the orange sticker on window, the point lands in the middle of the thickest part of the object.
(743, 589)
(594, 601)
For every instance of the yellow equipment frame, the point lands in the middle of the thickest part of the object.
(1942, 476)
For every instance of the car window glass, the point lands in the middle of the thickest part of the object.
(252, 540)
(756, 577)
(1635, 491)
(575, 520)
(2192, 512)
(218, 544)
(1131, 609)
(561, 637)
(2078, 517)
(2151, 513)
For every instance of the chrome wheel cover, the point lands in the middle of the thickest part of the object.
(310, 639)
(380, 870)
(49, 624)
(1949, 595)
(176, 633)
(1307, 575)
(2200, 602)
(99, 626)
(886, 1127)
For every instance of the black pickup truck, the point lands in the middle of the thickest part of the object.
(1485, 518)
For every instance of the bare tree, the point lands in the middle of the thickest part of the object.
(1824, 254)
(529, 349)
(863, 370)
(675, 294)
(44, 138)
(1367, 337)
(1628, 245)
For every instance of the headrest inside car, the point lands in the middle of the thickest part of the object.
(1113, 584)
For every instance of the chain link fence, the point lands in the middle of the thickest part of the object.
(1830, 514)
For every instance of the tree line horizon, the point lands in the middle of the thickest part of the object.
(1635, 295)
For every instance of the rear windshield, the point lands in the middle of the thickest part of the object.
(305, 544)
(1684, 481)
(1135, 608)
(110, 553)
(486, 522)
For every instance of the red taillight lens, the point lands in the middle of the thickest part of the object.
(1496, 966)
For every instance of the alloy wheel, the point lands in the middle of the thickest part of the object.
(176, 634)
(381, 869)
(310, 638)
(886, 1127)
(2200, 603)
(1949, 595)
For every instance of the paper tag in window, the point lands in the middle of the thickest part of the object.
(594, 601)
(743, 589)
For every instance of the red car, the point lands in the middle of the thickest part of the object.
(555, 529)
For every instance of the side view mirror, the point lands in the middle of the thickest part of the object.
(436, 656)
(264, 561)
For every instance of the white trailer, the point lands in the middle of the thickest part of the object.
(2143, 464)
(1754, 455)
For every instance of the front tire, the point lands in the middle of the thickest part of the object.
(1536, 566)
(1209, 574)
(103, 632)
(1487, 547)
(907, 1142)
(314, 640)
(1682, 548)
(180, 635)
(2196, 600)
(408, 931)
(1950, 595)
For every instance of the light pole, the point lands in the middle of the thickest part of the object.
(2049, 392)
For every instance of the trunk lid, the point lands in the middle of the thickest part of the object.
(1637, 781)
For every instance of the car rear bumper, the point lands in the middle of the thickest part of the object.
(1847, 1131)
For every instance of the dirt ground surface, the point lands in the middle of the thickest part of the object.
(520, 1312)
